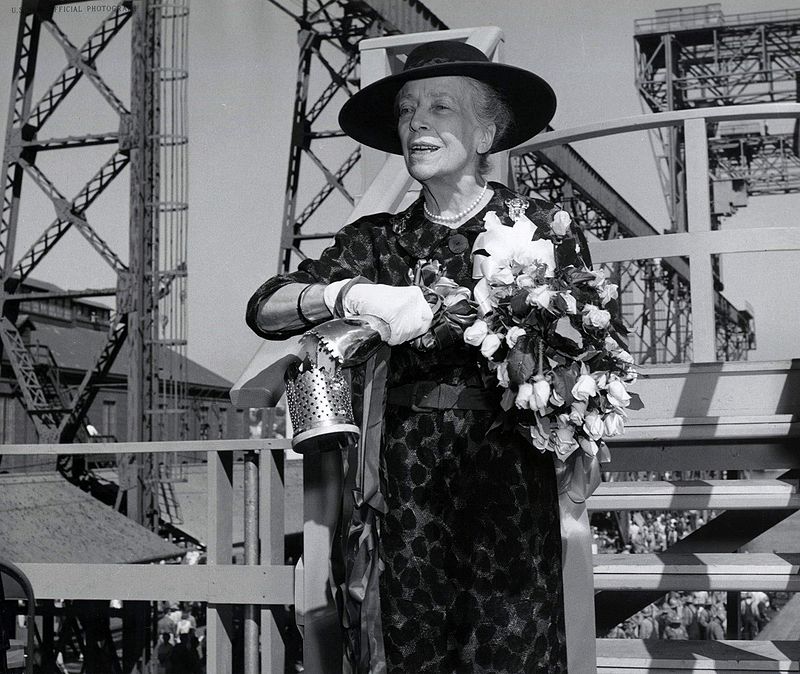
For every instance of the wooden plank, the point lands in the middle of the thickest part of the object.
(724, 390)
(220, 551)
(750, 455)
(632, 655)
(701, 276)
(750, 240)
(701, 571)
(271, 519)
(277, 444)
(227, 584)
(695, 495)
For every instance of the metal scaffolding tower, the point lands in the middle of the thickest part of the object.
(329, 33)
(151, 287)
(693, 57)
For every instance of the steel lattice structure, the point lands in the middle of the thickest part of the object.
(150, 140)
(699, 57)
(654, 295)
(329, 33)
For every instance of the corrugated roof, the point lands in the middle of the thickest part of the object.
(77, 348)
(45, 519)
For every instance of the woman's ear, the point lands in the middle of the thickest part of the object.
(486, 139)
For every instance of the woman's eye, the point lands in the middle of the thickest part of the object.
(405, 111)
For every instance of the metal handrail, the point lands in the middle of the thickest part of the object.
(659, 119)
(14, 572)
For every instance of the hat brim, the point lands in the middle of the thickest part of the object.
(369, 117)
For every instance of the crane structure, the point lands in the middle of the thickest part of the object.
(150, 141)
(692, 57)
(329, 33)
(655, 296)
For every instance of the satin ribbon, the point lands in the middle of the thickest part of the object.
(362, 610)
(577, 478)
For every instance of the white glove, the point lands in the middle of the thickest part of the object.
(404, 308)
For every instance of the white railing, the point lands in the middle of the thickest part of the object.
(699, 243)
(220, 583)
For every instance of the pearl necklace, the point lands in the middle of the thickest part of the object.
(450, 219)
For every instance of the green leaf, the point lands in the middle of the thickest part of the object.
(522, 360)
(571, 337)
(563, 381)
(507, 401)
(636, 402)
(519, 305)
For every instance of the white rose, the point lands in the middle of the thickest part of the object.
(601, 379)
(617, 394)
(563, 442)
(523, 396)
(541, 394)
(541, 296)
(555, 399)
(584, 388)
(624, 356)
(600, 277)
(502, 374)
(571, 302)
(608, 292)
(593, 425)
(490, 344)
(513, 334)
(525, 281)
(561, 222)
(577, 412)
(541, 250)
(610, 344)
(476, 332)
(594, 317)
(614, 424)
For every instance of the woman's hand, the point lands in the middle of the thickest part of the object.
(404, 308)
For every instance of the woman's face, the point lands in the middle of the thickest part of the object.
(440, 135)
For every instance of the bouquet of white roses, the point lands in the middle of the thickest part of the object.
(552, 337)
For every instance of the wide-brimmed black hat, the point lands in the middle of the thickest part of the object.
(369, 116)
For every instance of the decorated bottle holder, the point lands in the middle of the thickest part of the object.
(317, 386)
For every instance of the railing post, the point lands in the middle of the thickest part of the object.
(251, 517)
(322, 492)
(578, 583)
(271, 526)
(220, 548)
(699, 220)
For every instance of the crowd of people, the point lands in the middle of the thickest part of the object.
(695, 615)
(181, 642)
(680, 615)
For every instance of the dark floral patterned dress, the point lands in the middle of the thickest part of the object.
(471, 541)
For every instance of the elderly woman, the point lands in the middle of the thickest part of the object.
(470, 541)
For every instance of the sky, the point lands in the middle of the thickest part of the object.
(242, 70)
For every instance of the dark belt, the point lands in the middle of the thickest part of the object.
(431, 395)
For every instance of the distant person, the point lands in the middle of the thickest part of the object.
(163, 653)
(184, 658)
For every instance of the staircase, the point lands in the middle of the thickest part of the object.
(700, 417)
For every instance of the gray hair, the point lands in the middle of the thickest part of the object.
(489, 108)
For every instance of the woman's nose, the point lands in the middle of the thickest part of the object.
(418, 121)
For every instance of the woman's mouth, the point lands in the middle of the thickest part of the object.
(422, 148)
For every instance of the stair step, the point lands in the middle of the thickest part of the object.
(698, 571)
(637, 656)
(696, 495)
